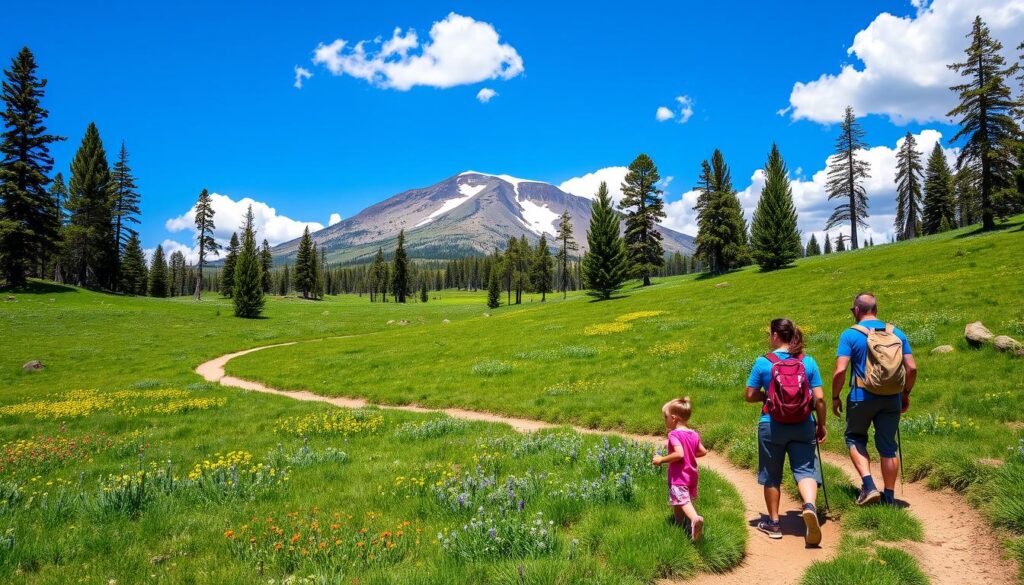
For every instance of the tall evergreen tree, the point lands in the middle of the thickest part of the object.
(158, 274)
(721, 230)
(641, 200)
(828, 244)
(541, 268)
(967, 196)
(286, 282)
(605, 264)
(179, 273)
(378, 276)
(227, 275)
(846, 175)
(523, 257)
(813, 249)
(319, 270)
(94, 251)
(267, 262)
(27, 227)
(133, 269)
(126, 200)
(508, 266)
(985, 117)
(247, 288)
(424, 296)
(775, 236)
(204, 235)
(569, 246)
(938, 192)
(304, 275)
(400, 272)
(908, 189)
(57, 218)
(493, 290)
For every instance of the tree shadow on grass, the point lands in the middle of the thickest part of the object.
(779, 269)
(982, 231)
(40, 287)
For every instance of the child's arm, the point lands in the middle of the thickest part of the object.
(675, 455)
(701, 449)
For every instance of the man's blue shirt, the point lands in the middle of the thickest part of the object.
(854, 345)
(761, 374)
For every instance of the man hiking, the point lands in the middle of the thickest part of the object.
(882, 376)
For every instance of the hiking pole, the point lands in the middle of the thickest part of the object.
(821, 468)
(899, 448)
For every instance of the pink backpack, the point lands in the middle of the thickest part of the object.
(789, 393)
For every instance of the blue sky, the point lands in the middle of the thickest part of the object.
(204, 96)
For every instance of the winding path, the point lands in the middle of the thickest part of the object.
(959, 547)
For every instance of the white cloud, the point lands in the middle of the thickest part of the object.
(300, 74)
(485, 95)
(460, 51)
(811, 200)
(170, 247)
(903, 72)
(586, 186)
(229, 214)
(685, 108)
(685, 105)
(335, 218)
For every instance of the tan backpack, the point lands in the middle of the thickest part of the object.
(883, 371)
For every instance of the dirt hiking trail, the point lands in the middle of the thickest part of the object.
(959, 547)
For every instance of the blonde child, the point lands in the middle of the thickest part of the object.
(684, 447)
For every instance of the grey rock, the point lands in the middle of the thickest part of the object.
(1006, 343)
(943, 349)
(33, 366)
(977, 334)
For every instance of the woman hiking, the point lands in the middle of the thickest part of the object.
(788, 385)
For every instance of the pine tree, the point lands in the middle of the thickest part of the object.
(286, 282)
(424, 296)
(871, 241)
(57, 218)
(938, 192)
(508, 266)
(493, 290)
(908, 189)
(320, 270)
(840, 243)
(247, 288)
(133, 268)
(91, 231)
(776, 238)
(204, 235)
(541, 268)
(179, 274)
(605, 265)
(813, 249)
(641, 200)
(721, 230)
(400, 272)
(158, 274)
(846, 175)
(828, 244)
(985, 117)
(378, 276)
(967, 196)
(523, 256)
(945, 225)
(569, 245)
(267, 262)
(126, 200)
(304, 276)
(27, 229)
(227, 275)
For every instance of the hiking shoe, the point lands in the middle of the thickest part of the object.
(868, 497)
(772, 529)
(813, 535)
(697, 529)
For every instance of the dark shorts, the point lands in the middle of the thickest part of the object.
(883, 413)
(777, 440)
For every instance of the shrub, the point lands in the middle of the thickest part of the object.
(431, 429)
(491, 368)
(500, 536)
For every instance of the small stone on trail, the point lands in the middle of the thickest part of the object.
(1007, 343)
(33, 366)
(977, 334)
(722, 285)
(944, 349)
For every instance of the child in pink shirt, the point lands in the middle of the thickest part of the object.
(684, 447)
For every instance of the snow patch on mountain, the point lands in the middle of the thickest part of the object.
(514, 181)
(538, 218)
(468, 192)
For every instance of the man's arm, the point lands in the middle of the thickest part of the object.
(754, 395)
(820, 411)
(838, 380)
(910, 367)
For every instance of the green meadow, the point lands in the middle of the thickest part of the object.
(119, 463)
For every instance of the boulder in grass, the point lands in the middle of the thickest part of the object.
(977, 334)
(446, 321)
(722, 285)
(1007, 343)
(944, 349)
(33, 366)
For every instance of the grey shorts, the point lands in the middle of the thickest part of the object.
(883, 413)
(775, 441)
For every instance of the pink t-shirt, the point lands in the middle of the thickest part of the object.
(684, 471)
